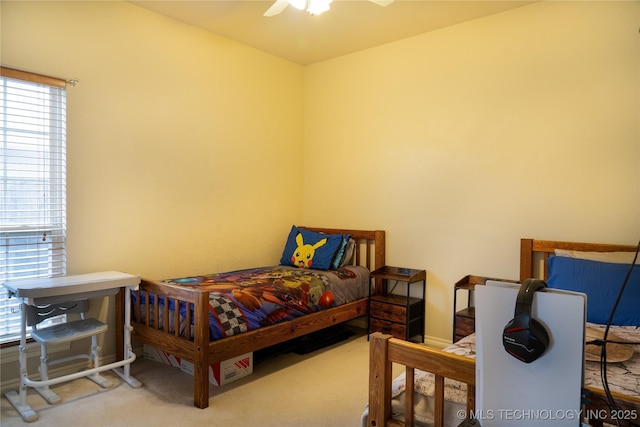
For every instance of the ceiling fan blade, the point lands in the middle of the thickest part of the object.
(382, 2)
(276, 8)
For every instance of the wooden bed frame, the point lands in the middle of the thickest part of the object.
(385, 350)
(369, 252)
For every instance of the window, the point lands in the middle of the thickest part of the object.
(32, 185)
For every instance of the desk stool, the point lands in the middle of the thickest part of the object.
(64, 333)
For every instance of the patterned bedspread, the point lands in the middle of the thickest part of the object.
(244, 300)
(423, 381)
(623, 377)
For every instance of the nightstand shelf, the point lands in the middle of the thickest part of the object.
(401, 316)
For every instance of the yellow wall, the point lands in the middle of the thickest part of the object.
(456, 142)
(184, 148)
(173, 134)
(459, 142)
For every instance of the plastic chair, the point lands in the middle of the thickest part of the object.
(64, 333)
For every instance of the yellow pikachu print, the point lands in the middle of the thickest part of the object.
(303, 255)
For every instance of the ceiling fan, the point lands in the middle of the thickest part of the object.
(314, 7)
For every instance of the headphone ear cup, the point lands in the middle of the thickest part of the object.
(540, 333)
(525, 344)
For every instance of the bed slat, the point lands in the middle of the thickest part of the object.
(471, 398)
(438, 393)
(409, 397)
(165, 316)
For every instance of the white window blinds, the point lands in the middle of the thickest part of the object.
(32, 185)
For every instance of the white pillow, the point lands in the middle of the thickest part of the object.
(615, 257)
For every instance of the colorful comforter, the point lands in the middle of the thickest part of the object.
(244, 300)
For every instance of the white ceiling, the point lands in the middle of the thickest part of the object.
(350, 25)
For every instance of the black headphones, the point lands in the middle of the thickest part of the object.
(524, 337)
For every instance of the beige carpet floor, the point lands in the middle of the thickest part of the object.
(325, 388)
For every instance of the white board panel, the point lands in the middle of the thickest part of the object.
(545, 392)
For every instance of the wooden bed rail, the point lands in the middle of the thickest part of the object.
(165, 333)
(162, 329)
(385, 350)
(144, 300)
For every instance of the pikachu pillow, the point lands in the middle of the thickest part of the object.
(310, 249)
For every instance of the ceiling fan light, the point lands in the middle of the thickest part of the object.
(298, 4)
(316, 7)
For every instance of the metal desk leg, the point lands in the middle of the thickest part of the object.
(19, 400)
(124, 372)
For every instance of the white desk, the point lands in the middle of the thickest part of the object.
(60, 289)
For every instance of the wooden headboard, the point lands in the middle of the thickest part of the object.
(366, 239)
(534, 254)
(370, 249)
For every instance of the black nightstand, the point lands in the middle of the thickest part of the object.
(401, 316)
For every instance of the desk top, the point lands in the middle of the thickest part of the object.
(71, 285)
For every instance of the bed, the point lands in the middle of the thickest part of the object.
(220, 316)
(438, 386)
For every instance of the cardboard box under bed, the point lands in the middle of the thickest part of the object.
(219, 373)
